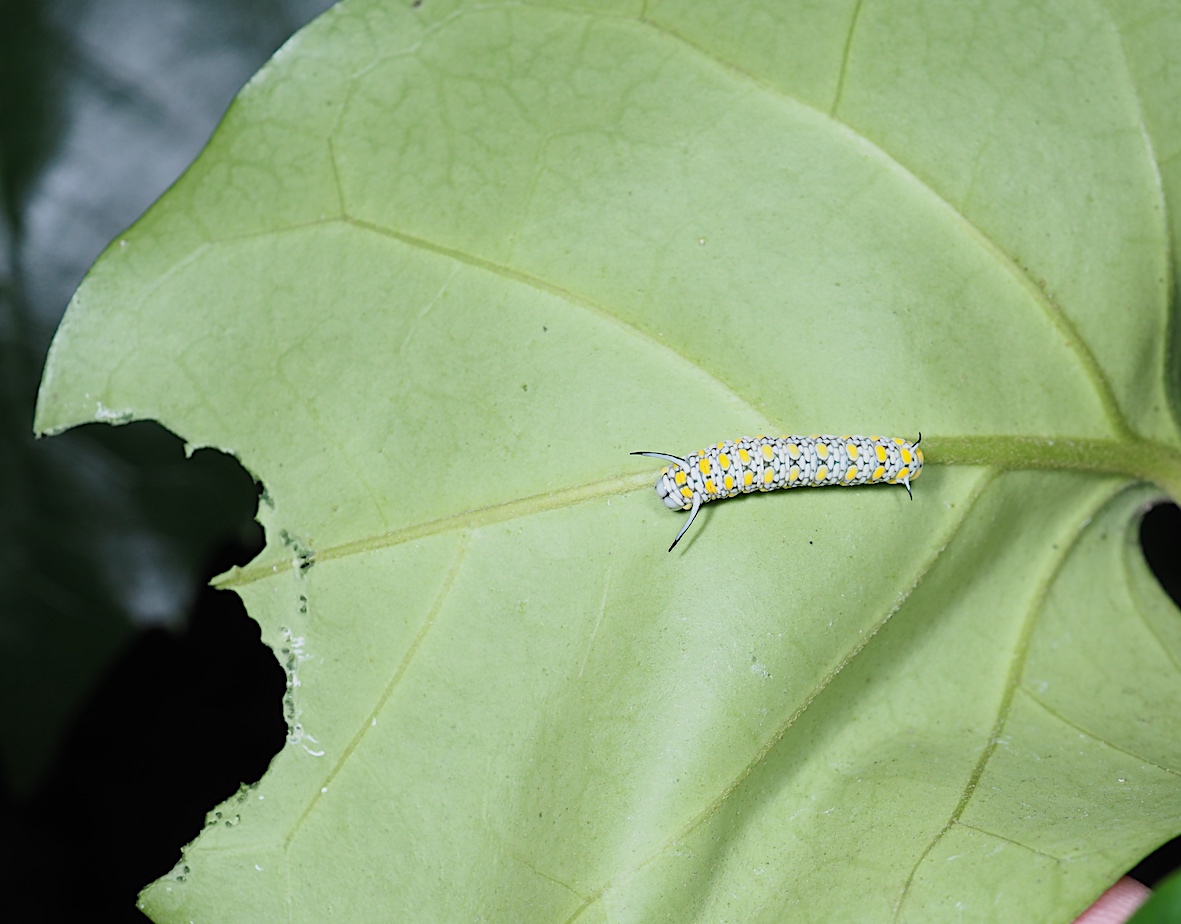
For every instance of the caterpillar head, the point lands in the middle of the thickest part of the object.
(669, 485)
(669, 491)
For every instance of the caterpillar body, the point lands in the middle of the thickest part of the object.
(764, 463)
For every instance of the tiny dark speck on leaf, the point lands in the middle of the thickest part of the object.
(524, 388)
(544, 328)
(416, 4)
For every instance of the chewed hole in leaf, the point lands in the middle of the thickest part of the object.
(1160, 538)
(190, 710)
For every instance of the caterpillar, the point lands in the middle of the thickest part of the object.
(763, 463)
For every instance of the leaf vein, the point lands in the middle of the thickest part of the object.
(712, 807)
(395, 679)
(839, 95)
(1164, 231)
(551, 288)
(1020, 274)
(465, 519)
(1083, 730)
(1008, 840)
(1011, 687)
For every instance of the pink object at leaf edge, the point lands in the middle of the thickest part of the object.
(1117, 904)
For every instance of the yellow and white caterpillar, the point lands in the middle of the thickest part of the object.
(763, 463)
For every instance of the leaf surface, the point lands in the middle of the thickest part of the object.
(444, 265)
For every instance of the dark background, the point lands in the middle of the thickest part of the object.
(132, 697)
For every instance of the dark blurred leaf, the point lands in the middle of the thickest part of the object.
(102, 105)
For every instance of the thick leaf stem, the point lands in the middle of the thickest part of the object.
(1142, 459)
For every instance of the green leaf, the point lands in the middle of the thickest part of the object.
(1164, 907)
(444, 265)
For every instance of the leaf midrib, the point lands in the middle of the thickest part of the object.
(1133, 456)
(1110, 456)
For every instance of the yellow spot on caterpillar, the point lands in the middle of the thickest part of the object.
(822, 473)
(879, 472)
(794, 474)
(851, 449)
(881, 452)
(899, 442)
(768, 476)
(743, 456)
(851, 473)
(793, 450)
(724, 460)
(728, 481)
(680, 477)
(902, 475)
(822, 450)
(768, 452)
(709, 486)
(686, 492)
(906, 456)
(703, 465)
(748, 478)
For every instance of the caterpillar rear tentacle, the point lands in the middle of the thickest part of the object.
(764, 463)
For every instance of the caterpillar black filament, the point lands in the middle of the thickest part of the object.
(762, 463)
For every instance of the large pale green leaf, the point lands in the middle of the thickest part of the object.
(444, 265)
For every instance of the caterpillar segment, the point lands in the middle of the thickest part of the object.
(764, 463)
